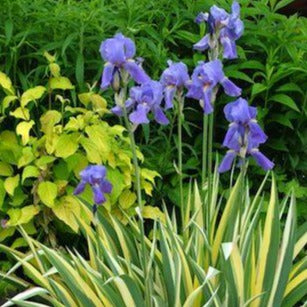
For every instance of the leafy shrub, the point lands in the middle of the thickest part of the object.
(231, 259)
(40, 160)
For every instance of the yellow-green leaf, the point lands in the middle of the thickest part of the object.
(21, 113)
(47, 192)
(153, 213)
(23, 129)
(6, 83)
(66, 145)
(5, 169)
(32, 94)
(127, 199)
(22, 216)
(28, 172)
(50, 58)
(49, 120)
(61, 83)
(7, 101)
(26, 158)
(55, 70)
(66, 209)
(10, 184)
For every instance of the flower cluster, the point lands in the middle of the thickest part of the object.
(244, 135)
(223, 27)
(205, 77)
(174, 79)
(144, 99)
(118, 52)
(95, 176)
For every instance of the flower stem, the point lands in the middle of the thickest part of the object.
(205, 150)
(180, 101)
(210, 148)
(140, 205)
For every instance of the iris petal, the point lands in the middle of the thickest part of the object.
(139, 116)
(262, 160)
(107, 75)
(169, 94)
(136, 72)
(203, 44)
(160, 116)
(230, 88)
(80, 188)
(99, 197)
(229, 48)
(227, 162)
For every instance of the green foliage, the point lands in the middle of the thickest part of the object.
(239, 260)
(40, 160)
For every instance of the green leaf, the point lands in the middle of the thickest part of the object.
(127, 199)
(258, 88)
(6, 83)
(5, 169)
(26, 158)
(47, 192)
(61, 83)
(285, 100)
(66, 145)
(2, 193)
(11, 183)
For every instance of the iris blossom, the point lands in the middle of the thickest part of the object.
(118, 52)
(244, 135)
(173, 79)
(144, 99)
(205, 77)
(95, 176)
(227, 27)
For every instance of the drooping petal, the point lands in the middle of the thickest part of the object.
(117, 110)
(80, 188)
(139, 116)
(169, 93)
(227, 162)
(230, 88)
(203, 44)
(229, 48)
(262, 160)
(160, 116)
(99, 197)
(207, 95)
(106, 186)
(232, 137)
(107, 75)
(257, 136)
(136, 72)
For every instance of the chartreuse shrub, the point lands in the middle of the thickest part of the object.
(52, 141)
(245, 256)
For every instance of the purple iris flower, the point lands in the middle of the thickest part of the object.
(244, 135)
(205, 77)
(95, 176)
(173, 79)
(144, 99)
(118, 52)
(228, 27)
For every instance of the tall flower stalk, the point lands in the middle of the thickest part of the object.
(224, 30)
(174, 79)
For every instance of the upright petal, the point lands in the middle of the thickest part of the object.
(238, 111)
(107, 75)
(160, 116)
(227, 161)
(201, 17)
(262, 160)
(139, 116)
(136, 72)
(230, 88)
(235, 10)
(203, 44)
